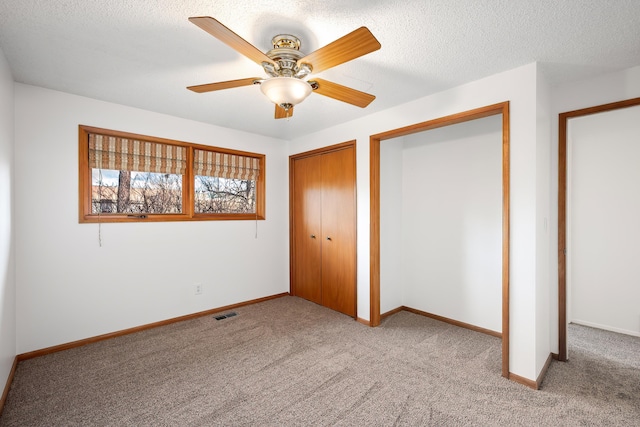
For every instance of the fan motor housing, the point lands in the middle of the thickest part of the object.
(285, 54)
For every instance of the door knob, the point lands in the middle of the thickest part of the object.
(313, 236)
(328, 237)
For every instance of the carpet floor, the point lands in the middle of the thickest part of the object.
(289, 362)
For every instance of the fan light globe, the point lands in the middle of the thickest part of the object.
(285, 91)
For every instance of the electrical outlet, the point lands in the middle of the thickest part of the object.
(197, 289)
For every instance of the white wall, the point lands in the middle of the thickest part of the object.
(609, 87)
(604, 220)
(391, 225)
(452, 222)
(70, 288)
(545, 300)
(7, 229)
(517, 86)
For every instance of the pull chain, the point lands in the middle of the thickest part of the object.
(100, 208)
(256, 223)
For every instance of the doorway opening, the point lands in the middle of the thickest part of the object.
(564, 217)
(375, 140)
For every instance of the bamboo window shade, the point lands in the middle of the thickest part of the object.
(116, 153)
(225, 165)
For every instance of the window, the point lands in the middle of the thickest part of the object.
(224, 182)
(128, 178)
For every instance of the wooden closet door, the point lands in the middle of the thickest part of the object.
(339, 230)
(307, 231)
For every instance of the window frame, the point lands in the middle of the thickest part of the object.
(188, 183)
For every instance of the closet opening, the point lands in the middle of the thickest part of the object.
(417, 216)
(598, 208)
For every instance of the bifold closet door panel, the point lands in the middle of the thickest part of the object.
(307, 228)
(339, 231)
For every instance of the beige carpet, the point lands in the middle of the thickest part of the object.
(290, 362)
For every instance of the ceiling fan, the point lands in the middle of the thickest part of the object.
(289, 69)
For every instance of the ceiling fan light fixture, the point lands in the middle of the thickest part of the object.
(285, 91)
(288, 68)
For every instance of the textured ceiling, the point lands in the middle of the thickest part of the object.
(144, 53)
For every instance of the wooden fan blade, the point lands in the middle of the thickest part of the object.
(281, 113)
(210, 87)
(343, 93)
(353, 45)
(225, 35)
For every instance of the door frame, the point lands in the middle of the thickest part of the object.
(374, 165)
(563, 120)
(316, 152)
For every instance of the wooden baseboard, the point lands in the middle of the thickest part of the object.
(524, 381)
(545, 368)
(382, 316)
(7, 386)
(453, 322)
(79, 343)
(538, 382)
(392, 312)
(364, 322)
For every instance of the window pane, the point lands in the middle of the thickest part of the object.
(222, 195)
(133, 192)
